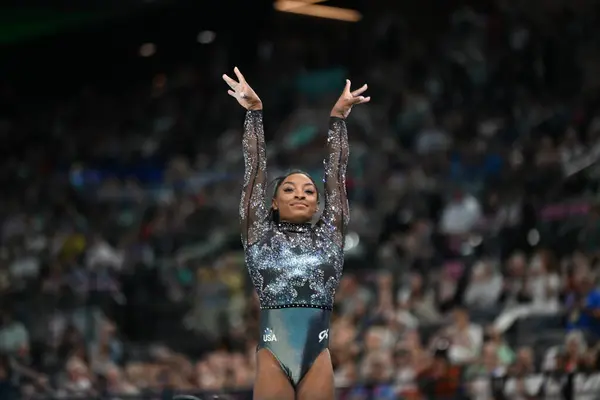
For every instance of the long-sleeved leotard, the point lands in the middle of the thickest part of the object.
(294, 264)
(295, 268)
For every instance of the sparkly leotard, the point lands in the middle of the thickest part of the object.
(295, 268)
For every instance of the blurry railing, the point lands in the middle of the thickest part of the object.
(553, 386)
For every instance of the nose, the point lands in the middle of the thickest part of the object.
(299, 195)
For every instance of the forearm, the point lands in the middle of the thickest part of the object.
(252, 203)
(336, 201)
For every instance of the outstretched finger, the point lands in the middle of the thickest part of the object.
(360, 90)
(360, 100)
(232, 84)
(231, 93)
(347, 87)
(239, 75)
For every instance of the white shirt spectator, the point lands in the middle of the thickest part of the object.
(13, 337)
(466, 344)
(545, 291)
(101, 253)
(485, 287)
(460, 215)
(523, 388)
(586, 387)
(25, 267)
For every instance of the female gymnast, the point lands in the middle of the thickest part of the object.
(295, 266)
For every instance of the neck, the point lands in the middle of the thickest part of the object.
(294, 226)
(294, 223)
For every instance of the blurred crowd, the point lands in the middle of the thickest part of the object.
(471, 261)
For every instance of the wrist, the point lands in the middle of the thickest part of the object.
(337, 112)
(256, 107)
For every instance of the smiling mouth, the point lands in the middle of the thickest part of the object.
(299, 205)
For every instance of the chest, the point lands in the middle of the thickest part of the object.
(295, 253)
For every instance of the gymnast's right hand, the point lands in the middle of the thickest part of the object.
(242, 92)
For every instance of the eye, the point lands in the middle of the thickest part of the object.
(309, 191)
(288, 189)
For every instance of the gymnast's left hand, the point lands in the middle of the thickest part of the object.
(348, 99)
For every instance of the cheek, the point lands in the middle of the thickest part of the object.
(284, 198)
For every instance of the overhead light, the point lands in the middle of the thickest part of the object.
(147, 50)
(316, 10)
(289, 5)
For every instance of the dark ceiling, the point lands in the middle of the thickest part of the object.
(76, 5)
(110, 44)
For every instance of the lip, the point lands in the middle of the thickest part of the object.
(299, 205)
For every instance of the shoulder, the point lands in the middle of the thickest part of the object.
(263, 230)
(329, 232)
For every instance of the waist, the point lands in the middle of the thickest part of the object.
(298, 325)
(297, 305)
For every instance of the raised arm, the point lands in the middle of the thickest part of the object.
(336, 213)
(253, 209)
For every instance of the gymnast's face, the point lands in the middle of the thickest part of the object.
(296, 199)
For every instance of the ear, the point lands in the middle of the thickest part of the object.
(274, 204)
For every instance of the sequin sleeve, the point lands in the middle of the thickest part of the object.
(253, 210)
(336, 212)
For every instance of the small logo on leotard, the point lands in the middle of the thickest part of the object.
(269, 335)
(323, 335)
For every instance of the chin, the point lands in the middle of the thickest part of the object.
(297, 217)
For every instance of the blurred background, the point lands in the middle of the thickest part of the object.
(472, 262)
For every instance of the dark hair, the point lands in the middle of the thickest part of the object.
(276, 183)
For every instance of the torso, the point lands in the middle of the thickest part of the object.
(295, 266)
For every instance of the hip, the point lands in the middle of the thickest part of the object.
(294, 326)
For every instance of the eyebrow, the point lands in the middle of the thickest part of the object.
(292, 183)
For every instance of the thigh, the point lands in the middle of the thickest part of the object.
(317, 384)
(271, 382)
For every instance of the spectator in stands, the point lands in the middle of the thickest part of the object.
(14, 337)
(406, 365)
(377, 373)
(544, 283)
(419, 300)
(485, 286)
(116, 383)
(583, 305)
(480, 386)
(107, 351)
(461, 214)
(442, 378)
(79, 379)
(586, 383)
(465, 338)
(352, 297)
(505, 353)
